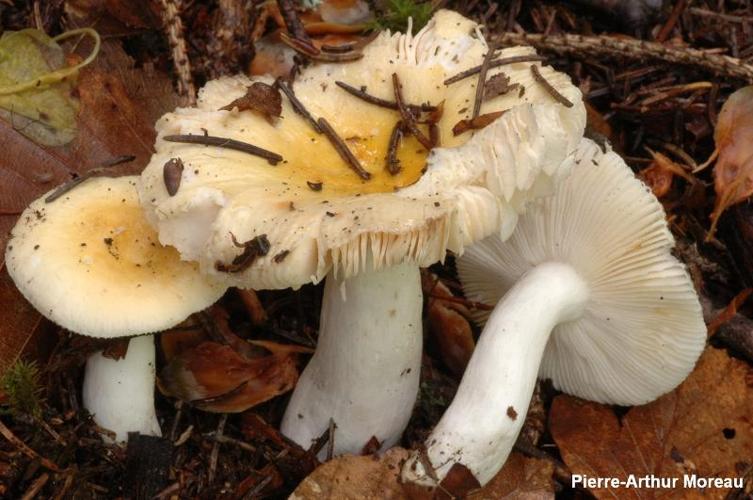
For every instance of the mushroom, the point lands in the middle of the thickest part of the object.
(588, 295)
(90, 262)
(349, 200)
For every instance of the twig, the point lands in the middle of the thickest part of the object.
(493, 64)
(36, 487)
(174, 24)
(343, 150)
(408, 119)
(298, 106)
(393, 162)
(67, 186)
(66, 486)
(221, 438)
(549, 88)
(677, 11)
(294, 25)
(378, 101)
(8, 434)
(585, 46)
(216, 449)
(483, 70)
(259, 487)
(331, 440)
(224, 142)
(178, 414)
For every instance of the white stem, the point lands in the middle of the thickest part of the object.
(120, 393)
(365, 371)
(481, 425)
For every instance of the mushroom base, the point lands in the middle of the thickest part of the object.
(364, 374)
(120, 393)
(481, 425)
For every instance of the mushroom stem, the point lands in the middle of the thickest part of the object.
(365, 372)
(481, 425)
(120, 393)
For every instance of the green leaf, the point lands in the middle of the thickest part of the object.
(36, 85)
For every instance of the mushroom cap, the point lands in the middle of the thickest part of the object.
(90, 262)
(642, 329)
(471, 186)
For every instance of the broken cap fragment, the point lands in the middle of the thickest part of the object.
(90, 262)
(588, 295)
(360, 206)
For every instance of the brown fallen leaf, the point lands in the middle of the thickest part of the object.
(522, 478)
(260, 97)
(355, 477)
(729, 312)
(448, 325)
(702, 428)
(110, 124)
(733, 172)
(660, 174)
(477, 123)
(371, 477)
(216, 378)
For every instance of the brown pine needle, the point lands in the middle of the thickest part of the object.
(343, 150)
(549, 88)
(224, 142)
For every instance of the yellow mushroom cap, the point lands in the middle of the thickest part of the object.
(471, 186)
(90, 262)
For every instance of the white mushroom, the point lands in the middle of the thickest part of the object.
(370, 233)
(587, 294)
(90, 262)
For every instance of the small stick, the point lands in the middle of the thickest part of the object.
(589, 46)
(36, 487)
(408, 119)
(339, 49)
(221, 438)
(493, 64)
(298, 106)
(331, 441)
(294, 24)
(216, 449)
(176, 422)
(483, 70)
(393, 163)
(305, 50)
(8, 434)
(174, 26)
(343, 150)
(378, 101)
(67, 186)
(224, 142)
(548, 86)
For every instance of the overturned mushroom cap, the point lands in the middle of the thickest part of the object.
(90, 262)
(313, 209)
(642, 330)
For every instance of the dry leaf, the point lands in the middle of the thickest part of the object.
(733, 172)
(45, 114)
(259, 97)
(110, 124)
(477, 123)
(355, 477)
(660, 174)
(704, 427)
(448, 325)
(216, 378)
(729, 312)
(521, 478)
